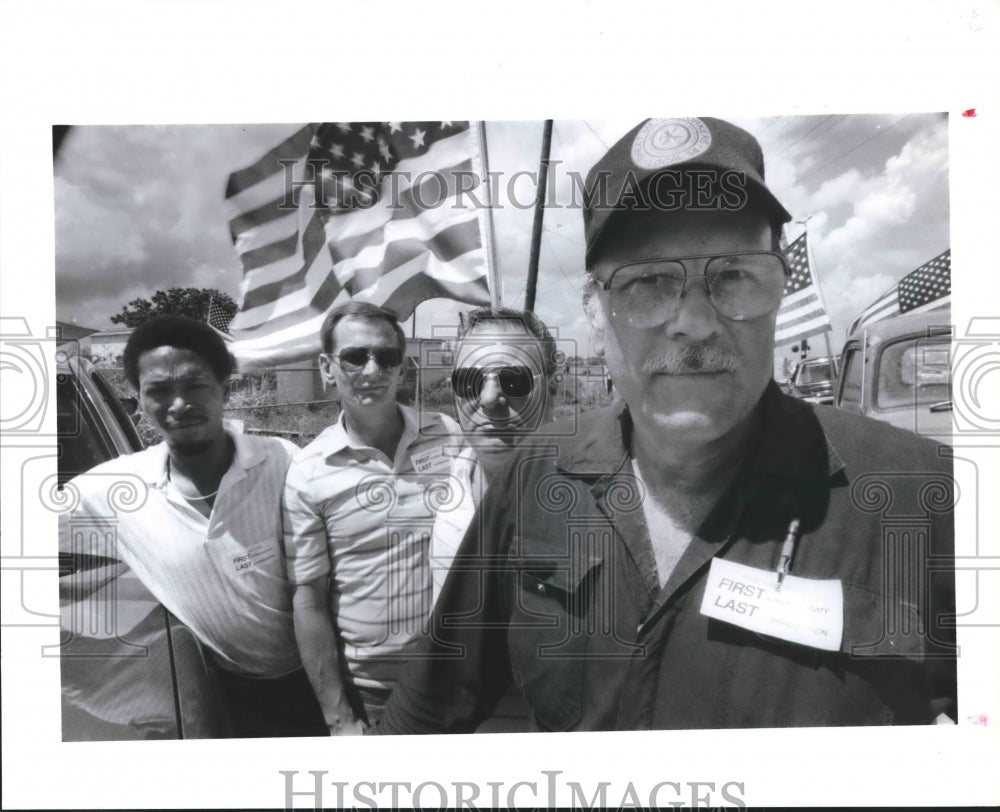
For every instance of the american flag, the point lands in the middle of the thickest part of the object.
(365, 210)
(926, 288)
(801, 313)
(218, 319)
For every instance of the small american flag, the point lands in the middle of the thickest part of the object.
(926, 288)
(218, 318)
(801, 313)
(376, 211)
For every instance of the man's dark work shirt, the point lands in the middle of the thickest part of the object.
(555, 587)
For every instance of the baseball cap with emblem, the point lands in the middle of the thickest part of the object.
(656, 146)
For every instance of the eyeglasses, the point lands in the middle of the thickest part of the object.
(354, 359)
(514, 381)
(740, 286)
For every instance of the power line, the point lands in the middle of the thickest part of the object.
(853, 149)
(600, 141)
(777, 135)
(555, 130)
(805, 134)
(814, 141)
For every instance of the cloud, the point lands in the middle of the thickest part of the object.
(141, 208)
(894, 219)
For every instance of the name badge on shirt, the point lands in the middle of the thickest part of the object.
(252, 557)
(805, 610)
(431, 461)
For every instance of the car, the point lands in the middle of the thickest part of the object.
(130, 670)
(812, 381)
(898, 370)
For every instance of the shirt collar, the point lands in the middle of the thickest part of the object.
(791, 442)
(336, 438)
(602, 447)
(152, 467)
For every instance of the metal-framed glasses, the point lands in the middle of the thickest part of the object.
(741, 286)
(355, 359)
(514, 381)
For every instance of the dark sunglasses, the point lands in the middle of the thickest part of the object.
(514, 381)
(354, 359)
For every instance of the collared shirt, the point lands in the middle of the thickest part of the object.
(222, 575)
(454, 516)
(366, 522)
(555, 586)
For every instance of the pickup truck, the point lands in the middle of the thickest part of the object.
(812, 380)
(899, 370)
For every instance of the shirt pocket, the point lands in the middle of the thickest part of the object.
(888, 643)
(549, 634)
(254, 570)
(880, 625)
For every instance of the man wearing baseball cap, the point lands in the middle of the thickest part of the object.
(706, 552)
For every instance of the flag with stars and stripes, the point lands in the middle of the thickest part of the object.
(801, 313)
(386, 212)
(926, 288)
(218, 319)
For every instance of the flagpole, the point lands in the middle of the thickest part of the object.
(493, 273)
(819, 290)
(536, 227)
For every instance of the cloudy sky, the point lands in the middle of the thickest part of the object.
(141, 208)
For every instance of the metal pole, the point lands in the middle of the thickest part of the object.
(536, 227)
(493, 273)
(819, 291)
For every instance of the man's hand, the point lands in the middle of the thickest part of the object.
(352, 727)
(317, 643)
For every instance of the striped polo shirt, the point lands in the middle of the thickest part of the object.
(365, 522)
(224, 575)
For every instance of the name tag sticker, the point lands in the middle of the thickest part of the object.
(252, 557)
(432, 461)
(805, 610)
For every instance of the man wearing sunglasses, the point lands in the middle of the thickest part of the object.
(707, 552)
(359, 509)
(503, 381)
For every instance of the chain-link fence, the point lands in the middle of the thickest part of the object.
(293, 402)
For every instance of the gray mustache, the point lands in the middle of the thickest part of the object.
(692, 359)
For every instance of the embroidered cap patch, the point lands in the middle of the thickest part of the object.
(667, 141)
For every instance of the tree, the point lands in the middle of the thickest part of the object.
(191, 302)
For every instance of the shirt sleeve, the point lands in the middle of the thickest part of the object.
(288, 448)
(305, 542)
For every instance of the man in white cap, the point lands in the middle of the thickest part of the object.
(707, 552)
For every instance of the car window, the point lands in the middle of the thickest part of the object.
(850, 385)
(813, 373)
(81, 444)
(913, 371)
(114, 404)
